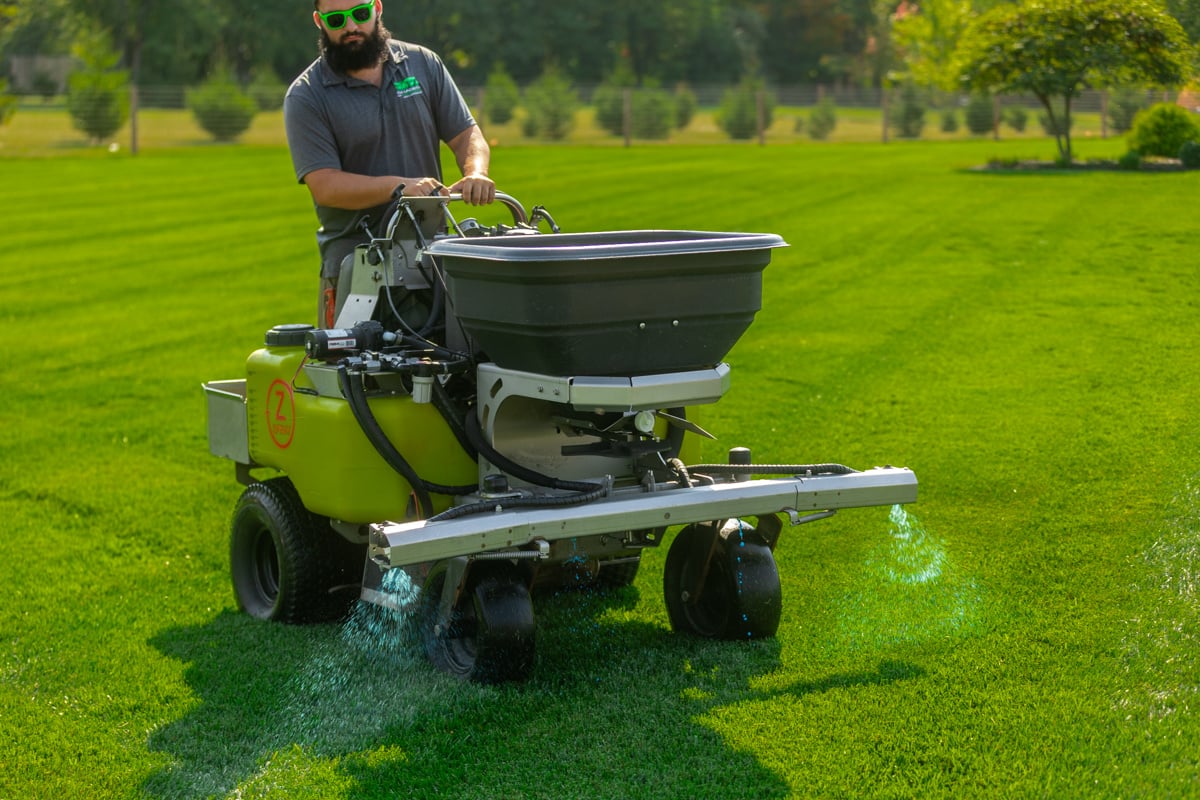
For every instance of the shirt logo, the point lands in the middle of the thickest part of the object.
(409, 87)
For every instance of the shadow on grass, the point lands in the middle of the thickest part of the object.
(612, 709)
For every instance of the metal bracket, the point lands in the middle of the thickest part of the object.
(796, 519)
(694, 587)
(769, 527)
(452, 591)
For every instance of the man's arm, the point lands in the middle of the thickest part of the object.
(474, 156)
(337, 189)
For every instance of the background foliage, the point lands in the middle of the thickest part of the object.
(168, 43)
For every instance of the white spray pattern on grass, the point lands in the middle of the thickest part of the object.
(358, 681)
(1161, 646)
(371, 677)
(907, 591)
(915, 557)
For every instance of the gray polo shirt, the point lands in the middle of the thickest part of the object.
(396, 128)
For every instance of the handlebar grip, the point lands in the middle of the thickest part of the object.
(520, 216)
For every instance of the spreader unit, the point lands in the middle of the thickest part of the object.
(501, 410)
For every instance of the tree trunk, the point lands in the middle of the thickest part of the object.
(1064, 148)
(1067, 128)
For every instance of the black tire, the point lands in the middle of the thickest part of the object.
(490, 637)
(286, 563)
(739, 599)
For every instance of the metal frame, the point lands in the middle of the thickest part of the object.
(402, 544)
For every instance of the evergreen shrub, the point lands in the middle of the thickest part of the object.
(653, 114)
(221, 108)
(609, 102)
(501, 96)
(908, 117)
(980, 114)
(738, 114)
(685, 106)
(1189, 154)
(1016, 118)
(822, 119)
(1123, 106)
(1162, 129)
(266, 89)
(1130, 160)
(550, 107)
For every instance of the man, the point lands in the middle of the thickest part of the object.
(367, 118)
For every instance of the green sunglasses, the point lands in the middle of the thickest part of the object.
(336, 20)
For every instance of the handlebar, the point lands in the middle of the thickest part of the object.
(404, 206)
(520, 217)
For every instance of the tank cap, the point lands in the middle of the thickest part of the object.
(288, 335)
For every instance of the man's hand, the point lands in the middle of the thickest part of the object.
(473, 155)
(423, 187)
(476, 190)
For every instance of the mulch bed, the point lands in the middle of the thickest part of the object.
(1147, 165)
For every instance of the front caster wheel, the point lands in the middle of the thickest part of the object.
(489, 634)
(720, 582)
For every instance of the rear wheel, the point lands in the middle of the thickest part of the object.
(286, 563)
(738, 597)
(489, 636)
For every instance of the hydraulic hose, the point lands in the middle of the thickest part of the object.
(435, 312)
(516, 470)
(681, 471)
(445, 407)
(555, 501)
(583, 492)
(357, 400)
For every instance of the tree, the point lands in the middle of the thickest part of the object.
(221, 107)
(741, 109)
(927, 35)
(124, 21)
(501, 95)
(97, 95)
(805, 37)
(1188, 14)
(1053, 49)
(549, 106)
(42, 28)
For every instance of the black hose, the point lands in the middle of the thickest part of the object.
(681, 471)
(545, 501)
(582, 492)
(357, 400)
(435, 311)
(445, 407)
(516, 470)
(773, 469)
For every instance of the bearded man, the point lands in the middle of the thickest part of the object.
(368, 118)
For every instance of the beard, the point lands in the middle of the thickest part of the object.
(356, 55)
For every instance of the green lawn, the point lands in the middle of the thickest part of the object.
(1025, 343)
